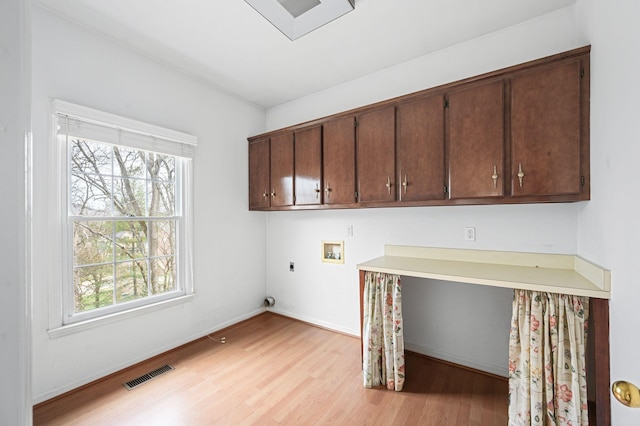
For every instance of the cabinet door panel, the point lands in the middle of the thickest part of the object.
(420, 149)
(308, 166)
(475, 125)
(545, 131)
(259, 192)
(376, 156)
(282, 170)
(339, 161)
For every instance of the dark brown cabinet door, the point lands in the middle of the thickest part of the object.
(420, 149)
(475, 136)
(259, 185)
(308, 166)
(517, 135)
(282, 170)
(545, 131)
(339, 161)
(376, 156)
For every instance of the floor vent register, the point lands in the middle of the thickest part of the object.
(146, 377)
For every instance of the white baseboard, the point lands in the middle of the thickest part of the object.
(114, 369)
(315, 321)
(498, 370)
(489, 368)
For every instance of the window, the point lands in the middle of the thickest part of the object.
(126, 232)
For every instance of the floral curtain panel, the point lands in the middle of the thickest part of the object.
(547, 373)
(382, 332)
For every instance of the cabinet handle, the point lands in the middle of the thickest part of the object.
(273, 192)
(520, 174)
(405, 183)
(265, 194)
(327, 189)
(495, 177)
(317, 190)
(388, 185)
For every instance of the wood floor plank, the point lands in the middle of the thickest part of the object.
(278, 371)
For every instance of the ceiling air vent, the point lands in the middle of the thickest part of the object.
(295, 18)
(298, 7)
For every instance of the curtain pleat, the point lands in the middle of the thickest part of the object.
(382, 332)
(547, 371)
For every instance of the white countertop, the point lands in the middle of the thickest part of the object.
(556, 273)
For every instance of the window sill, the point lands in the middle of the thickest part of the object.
(66, 330)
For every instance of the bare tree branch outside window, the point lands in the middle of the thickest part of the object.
(124, 224)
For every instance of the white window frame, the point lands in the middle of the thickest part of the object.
(62, 318)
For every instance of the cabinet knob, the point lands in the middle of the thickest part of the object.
(388, 185)
(317, 190)
(273, 192)
(405, 183)
(520, 174)
(265, 194)
(495, 176)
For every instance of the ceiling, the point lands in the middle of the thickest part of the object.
(231, 46)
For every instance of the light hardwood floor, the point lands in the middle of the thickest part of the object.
(275, 370)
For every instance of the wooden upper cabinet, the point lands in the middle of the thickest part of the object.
(339, 161)
(546, 130)
(259, 184)
(376, 155)
(308, 166)
(282, 170)
(516, 135)
(420, 149)
(475, 129)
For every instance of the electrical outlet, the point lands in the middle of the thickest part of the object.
(349, 232)
(470, 233)
(292, 267)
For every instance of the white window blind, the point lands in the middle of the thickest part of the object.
(86, 123)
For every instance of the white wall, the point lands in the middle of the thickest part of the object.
(547, 35)
(15, 382)
(105, 76)
(608, 231)
(79, 66)
(327, 294)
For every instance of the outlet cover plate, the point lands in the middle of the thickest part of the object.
(470, 233)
